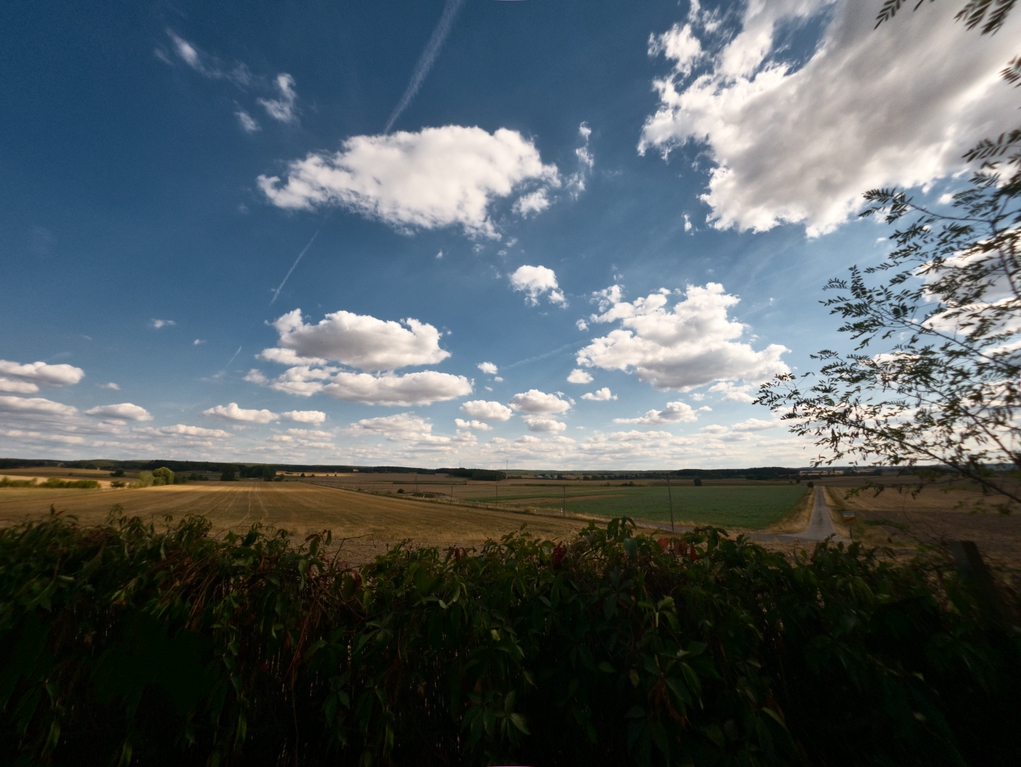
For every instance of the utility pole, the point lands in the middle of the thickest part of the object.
(451, 492)
(670, 498)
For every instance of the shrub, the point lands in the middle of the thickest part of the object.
(162, 476)
(121, 643)
(52, 482)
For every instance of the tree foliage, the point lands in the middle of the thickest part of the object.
(991, 14)
(943, 388)
(162, 476)
(935, 376)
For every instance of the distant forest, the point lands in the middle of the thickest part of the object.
(756, 473)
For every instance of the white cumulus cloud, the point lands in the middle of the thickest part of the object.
(488, 368)
(536, 281)
(124, 411)
(869, 108)
(17, 387)
(543, 425)
(533, 202)
(392, 426)
(579, 376)
(35, 406)
(674, 412)
(232, 412)
(754, 424)
(157, 324)
(473, 424)
(356, 340)
(437, 177)
(691, 344)
(485, 410)
(388, 389)
(184, 430)
(304, 416)
(599, 395)
(733, 392)
(27, 378)
(535, 402)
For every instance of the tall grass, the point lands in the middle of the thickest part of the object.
(127, 644)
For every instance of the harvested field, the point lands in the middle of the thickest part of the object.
(897, 519)
(370, 523)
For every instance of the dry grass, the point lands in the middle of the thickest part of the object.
(902, 521)
(798, 518)
(369, 523)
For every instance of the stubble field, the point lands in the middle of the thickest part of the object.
(369, 523)
(899, 519)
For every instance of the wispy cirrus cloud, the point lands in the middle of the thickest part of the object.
(282, 107)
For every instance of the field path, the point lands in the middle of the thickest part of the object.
(820, 526)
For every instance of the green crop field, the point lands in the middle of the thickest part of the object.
(738, 504)
(747, 506)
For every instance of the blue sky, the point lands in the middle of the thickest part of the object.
(587, 237)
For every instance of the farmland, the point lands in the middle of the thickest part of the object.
(370, 523)
(900, 519)
(374, 511)
(747, 505)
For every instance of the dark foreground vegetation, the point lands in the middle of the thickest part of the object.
(122, 644)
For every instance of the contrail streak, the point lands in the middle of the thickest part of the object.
(277, 291)
(542, 356)
(232, 358)
(426, 60)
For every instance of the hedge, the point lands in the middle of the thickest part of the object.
(124, 644)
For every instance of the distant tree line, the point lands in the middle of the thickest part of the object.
(486, 475)
(198, 470)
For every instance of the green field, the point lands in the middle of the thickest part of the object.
(745, 506)
(727, 504)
